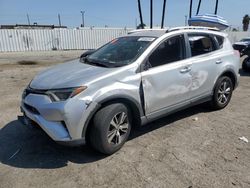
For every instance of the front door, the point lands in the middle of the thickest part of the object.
(167, 80)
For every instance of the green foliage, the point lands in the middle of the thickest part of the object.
(245, 22)
(141, 26)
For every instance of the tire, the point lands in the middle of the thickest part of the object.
(222, 93)
(244, 64)
(111, 128)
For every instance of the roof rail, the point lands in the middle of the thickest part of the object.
(193, 27)
(167, 30)
(141, 30)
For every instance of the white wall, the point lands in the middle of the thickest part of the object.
(12, 40)
(236, 36)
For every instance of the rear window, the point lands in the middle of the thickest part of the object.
(201, 44)
(220, 41)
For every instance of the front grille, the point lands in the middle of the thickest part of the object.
(31, 109)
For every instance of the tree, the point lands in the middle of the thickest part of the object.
(141, 26)
(216, 7)
(140, 13)
(245, 22)
(235, 30)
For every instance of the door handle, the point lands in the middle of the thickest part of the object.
(218, 62)
(185, 70)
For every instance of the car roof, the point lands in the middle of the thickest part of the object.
(148, 32)
(160, 32)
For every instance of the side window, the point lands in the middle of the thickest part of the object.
(220, 41)
(201, 44)
(169, 51)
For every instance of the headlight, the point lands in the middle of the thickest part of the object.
(64, 94)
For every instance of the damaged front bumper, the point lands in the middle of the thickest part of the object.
(63, 121)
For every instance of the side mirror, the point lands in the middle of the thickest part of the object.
(85, 54)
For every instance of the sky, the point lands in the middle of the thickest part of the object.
(114, 13)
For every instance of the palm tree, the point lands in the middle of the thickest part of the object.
(216, 7)
(151, 14)
(198, 8)
(245, 22)
(163, 14)
(141, 26)
(190, 8)
(139, 8)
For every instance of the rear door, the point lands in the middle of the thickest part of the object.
(205, 59)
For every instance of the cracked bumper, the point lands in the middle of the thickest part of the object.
(63, 121)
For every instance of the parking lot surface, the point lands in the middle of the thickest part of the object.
(195, 147)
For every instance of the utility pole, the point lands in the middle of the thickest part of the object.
(28, 18)
(83, 13)
(59, 20)
(186, 20)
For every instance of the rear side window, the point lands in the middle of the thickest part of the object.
(220, 41)
(201, 44)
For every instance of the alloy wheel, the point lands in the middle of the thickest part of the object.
(118, 128)
(224, 92)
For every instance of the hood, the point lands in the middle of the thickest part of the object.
(242, 43)
(66, 75)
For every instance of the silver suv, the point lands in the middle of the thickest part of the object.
(131, 81)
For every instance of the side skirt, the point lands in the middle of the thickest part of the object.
(172, 109)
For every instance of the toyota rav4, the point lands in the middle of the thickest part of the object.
(131, 81)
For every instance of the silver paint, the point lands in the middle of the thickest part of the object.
(166, 88)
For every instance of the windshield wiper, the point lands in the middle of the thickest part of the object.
(112, 64)
(94, 62)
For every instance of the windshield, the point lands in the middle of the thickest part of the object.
(121, 51)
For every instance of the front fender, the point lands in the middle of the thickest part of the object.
(116, 92)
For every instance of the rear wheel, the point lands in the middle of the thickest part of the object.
(222, 93)
(111, 128)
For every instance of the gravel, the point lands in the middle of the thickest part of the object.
(191, 148)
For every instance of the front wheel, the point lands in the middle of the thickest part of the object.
(111, 128)
(222, 93)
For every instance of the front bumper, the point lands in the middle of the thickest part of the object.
(63, 121)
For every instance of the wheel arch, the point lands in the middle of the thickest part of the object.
(132, 104)
(229, 73)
